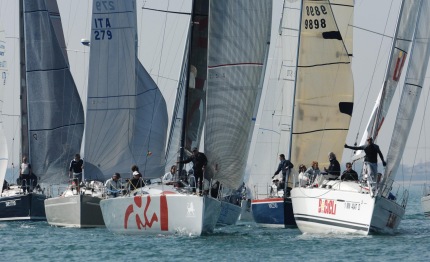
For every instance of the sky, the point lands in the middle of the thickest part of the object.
(161, 45)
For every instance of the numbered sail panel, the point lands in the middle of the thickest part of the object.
(236, 58)
(126, 113)
(55, 112)
(324, 87)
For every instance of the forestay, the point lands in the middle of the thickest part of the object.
(53, 107)
(126, 113)
(324, 87)
(414, 82)
(239, 32)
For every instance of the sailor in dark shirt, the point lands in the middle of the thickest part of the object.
(371, 159)
(199, 164)
(76, 166)
(334, 168)
(349, 174)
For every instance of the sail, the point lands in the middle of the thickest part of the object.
(126, 113)
(3, 76)
(239, 32)
(173, 144)
(54, 110)
(272, 130)
(196, 97)
(413, 86)
(54, 14)
(324, 87)
(399, 52)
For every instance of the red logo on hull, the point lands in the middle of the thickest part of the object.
(327, 206)
(163, 214)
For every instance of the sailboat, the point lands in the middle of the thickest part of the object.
(357, 206)
(52, 117)
(171, 208)
(126, 115)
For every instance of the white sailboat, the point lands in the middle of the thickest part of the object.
(192, 214)
(51, 111)
(350, 206)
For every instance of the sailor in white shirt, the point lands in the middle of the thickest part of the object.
(169, 176)
(113, 185)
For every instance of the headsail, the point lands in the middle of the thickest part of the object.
(53, 109)
(324, 87)
(126, 113)
(399, 52)
(3, 76)
(272, 132)
(236, 58)
(414, 83)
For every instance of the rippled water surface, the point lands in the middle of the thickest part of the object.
(37, 241)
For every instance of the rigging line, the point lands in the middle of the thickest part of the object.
(164, 39)
(166, 11)
(374, 69)
(423, 126)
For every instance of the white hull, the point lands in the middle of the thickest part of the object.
(344, 208)
(161, 214)
(425, 204)
(81, 211)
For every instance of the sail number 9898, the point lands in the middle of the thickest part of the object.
(315, 11)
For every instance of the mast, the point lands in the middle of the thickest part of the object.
(187, 82)
(295, 86)
(23, 86)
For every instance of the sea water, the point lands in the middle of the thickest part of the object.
(37, 241)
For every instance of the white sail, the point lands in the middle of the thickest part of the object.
(272, 131)
(3, 76)
(51, 105)
(324, 87)
(236, 57)
(413, 86)
(126, 113)
(399, 52)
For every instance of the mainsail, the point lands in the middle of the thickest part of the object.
(52, 112)
(3, 76)
(324, 86)
(239, 32)
(413, 86)
(126, 113)
(399, 51)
